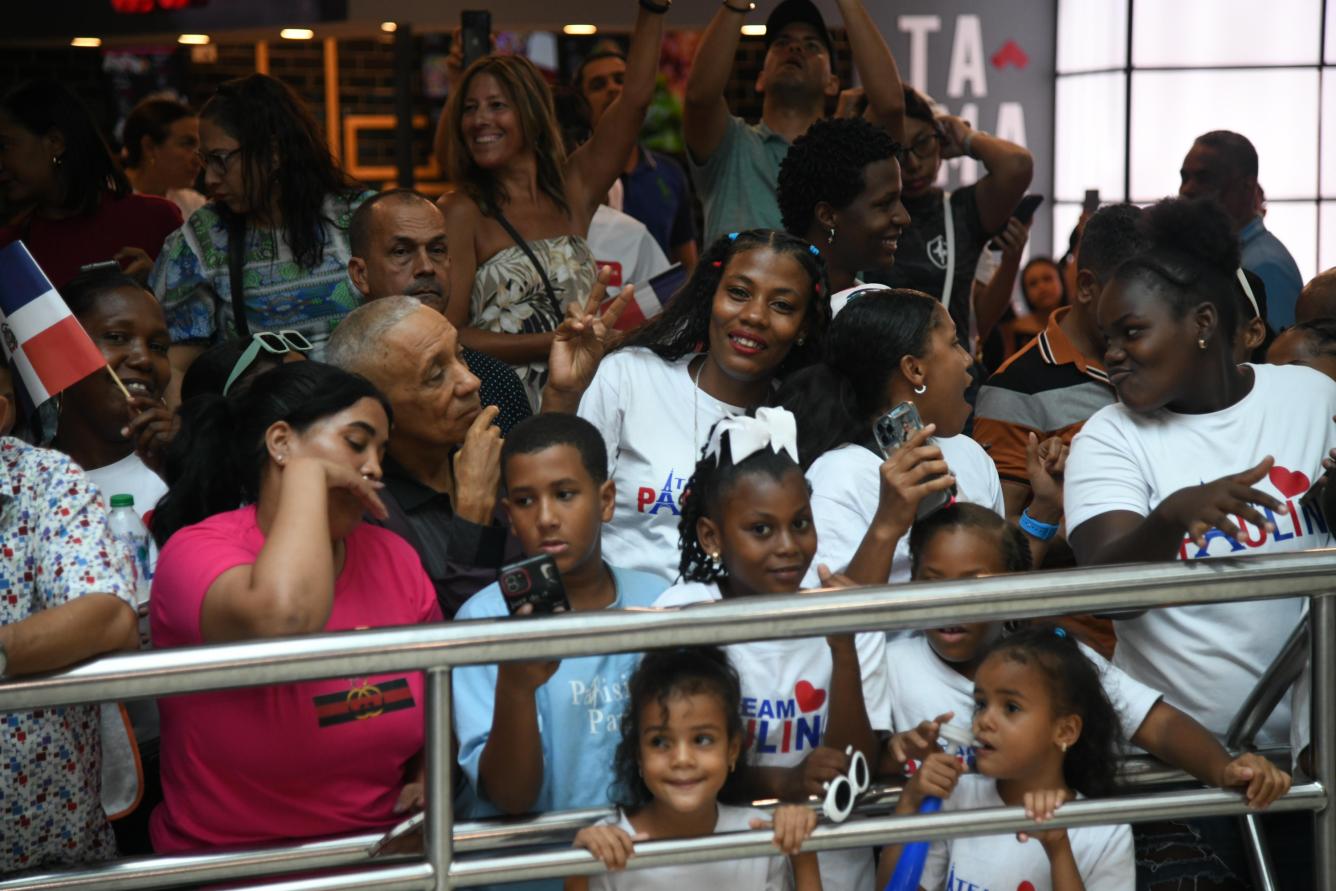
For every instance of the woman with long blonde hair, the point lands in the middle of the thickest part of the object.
(521, 207)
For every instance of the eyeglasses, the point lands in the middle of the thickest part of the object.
(276, 343)
(925, 146)
(217, 162)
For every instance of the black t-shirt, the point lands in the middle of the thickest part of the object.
(920, 260)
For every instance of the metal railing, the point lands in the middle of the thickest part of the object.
(437, 649)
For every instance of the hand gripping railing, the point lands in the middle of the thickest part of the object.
(439, 648)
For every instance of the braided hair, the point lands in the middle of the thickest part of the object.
(1011, 544)
(1091, 764)
(713, 478)
(684, 325)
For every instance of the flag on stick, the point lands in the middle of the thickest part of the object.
(40, 336)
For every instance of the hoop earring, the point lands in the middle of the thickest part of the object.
(56, 160)
(801, 340)
(1201, 343)
(715, 563)
(830, 239)
(920, 389)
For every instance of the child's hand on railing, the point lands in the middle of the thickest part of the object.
(1041, 806)
(1260, 781)
(611, 844)
(793, 824)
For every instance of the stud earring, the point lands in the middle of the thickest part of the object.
(920, 389)
(830, 239)
(801, 340)
(56, 160)
(715, 563)
(1201, 343)
(1064, 748)
(279, 459)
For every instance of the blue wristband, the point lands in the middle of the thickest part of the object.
(1035, 529)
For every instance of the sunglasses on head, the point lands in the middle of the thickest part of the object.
(275, 343)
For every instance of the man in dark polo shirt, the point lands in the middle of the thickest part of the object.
(398, 247)
(442, 469)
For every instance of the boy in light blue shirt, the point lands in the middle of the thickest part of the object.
(540, 736)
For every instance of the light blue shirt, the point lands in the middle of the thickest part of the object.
(579, 708)
(1267, 258)
(579, 713)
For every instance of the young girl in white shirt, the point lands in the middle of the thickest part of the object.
(747, 530)
(1045, 733)
(884, 348)
(932, 674)
(679, 758)
(753, 310)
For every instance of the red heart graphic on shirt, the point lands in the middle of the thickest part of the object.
(1010, 54)
(1289, 482)
(809, 698)
(1025, 886)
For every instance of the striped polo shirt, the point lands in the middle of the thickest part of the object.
(1047, 388)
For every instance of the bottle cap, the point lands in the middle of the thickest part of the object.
(122, 501)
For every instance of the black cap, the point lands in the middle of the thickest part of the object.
(805, 11)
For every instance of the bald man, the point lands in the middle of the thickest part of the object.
(1318, 298)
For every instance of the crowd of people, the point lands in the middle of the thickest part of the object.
(338, 409)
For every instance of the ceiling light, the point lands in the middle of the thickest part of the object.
(753, 30)
(389, 27)
(86, 41)
(296, 33)
(578, 30)
(193, 39)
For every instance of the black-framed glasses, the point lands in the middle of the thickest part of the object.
(218, 161)
(925, 146)
(276, 343)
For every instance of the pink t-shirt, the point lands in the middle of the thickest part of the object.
(258, 765)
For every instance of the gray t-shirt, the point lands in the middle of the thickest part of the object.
(737, 182)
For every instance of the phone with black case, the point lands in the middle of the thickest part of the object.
(536, 583)
(475, 31)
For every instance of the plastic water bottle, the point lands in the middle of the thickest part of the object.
(126, 526)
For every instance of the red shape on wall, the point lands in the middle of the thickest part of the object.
(1010, 54)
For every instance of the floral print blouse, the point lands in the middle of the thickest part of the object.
(55, 546)
(509, 298)
(192, 279)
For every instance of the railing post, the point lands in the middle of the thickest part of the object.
(439, 832)
(1324, 735)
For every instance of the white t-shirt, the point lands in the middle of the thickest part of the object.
(655, 421)
(1001, 863)
(846, 486)
(1207, 658)
(752, 874)
(621, 241)
(785, 708)
(924, 686)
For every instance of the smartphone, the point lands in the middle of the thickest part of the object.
(536, 582)
(475, 30)
(892, 430)
(1091, 203)
(1024, 212)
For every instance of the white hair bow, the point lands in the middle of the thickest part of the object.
(773, 428)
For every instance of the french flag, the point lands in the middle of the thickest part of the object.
(650, 298)
(40, 337)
